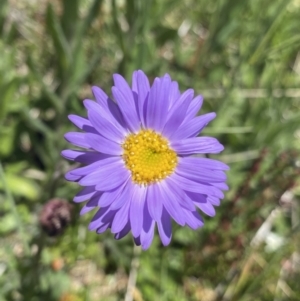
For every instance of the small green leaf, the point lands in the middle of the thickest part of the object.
(21, 186)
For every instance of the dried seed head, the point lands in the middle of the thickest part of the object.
(55, 216)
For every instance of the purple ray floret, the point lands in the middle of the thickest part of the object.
(139, 164)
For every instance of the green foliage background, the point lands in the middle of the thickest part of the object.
(243, 56)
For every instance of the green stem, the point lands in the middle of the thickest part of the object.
(14, 211)
(135, 263)
(272, 29)
(120, 38)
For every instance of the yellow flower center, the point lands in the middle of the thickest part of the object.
(148, 156)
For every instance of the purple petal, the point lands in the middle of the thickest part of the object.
(194, 108)
(193, 127)
(103, 145)
(196, 197)
(77, 139)
(174, 94)
(147, 237)
(181, 197)
(113, 132)
(222, 186)
(147, 233)
(70, 177)
(85, 194)
(157, 104)
(123, 232)
(199, 174)
(103, 216)
(92, 106)
(214, 201)
(85, 157)
(95, 199)
(196, 145)
(170, 202)
(177, 113)
(90, 205)
(100, 175)
(189, 185)
(102, 112)
(97, 218)
(100, 96)
(165, 228)
(207, 208)
(124, 97)
(137, 240)
(192, 219)
(207, 177)
(82, 123)
(188, 94)
(143, 88)
(113, 180)
(136, 209)
(110, 196)
(103, 228)
(134, 85)
(150, 102)
(107, 105)
(154, 202)
(124, 196)
(102, 164)
(202, 203)
(121, 218)
(196, 162)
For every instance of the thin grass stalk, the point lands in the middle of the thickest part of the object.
(133, 273)
(272, 29)
(14, 211)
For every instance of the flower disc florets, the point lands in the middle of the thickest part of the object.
(149, 157)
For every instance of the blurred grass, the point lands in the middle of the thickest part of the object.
(242, 55)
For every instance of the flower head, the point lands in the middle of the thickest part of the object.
(140, 169)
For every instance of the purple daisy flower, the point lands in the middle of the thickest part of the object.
(140, 165)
